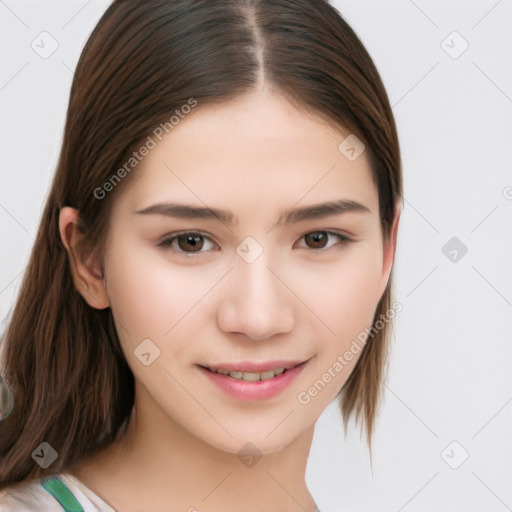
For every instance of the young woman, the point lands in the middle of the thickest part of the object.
(213, 264)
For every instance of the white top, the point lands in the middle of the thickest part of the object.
(33, 497)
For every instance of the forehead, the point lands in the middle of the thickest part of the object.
(255, 150)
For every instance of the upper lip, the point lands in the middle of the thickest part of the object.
(252, 366)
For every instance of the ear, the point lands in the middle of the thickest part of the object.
(87, 274)
(390, 249)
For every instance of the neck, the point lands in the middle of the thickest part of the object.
(158, 463)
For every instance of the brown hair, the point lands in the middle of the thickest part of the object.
(72, 386)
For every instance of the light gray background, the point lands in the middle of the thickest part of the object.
(449, 377)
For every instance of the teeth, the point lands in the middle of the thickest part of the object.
(251, 376)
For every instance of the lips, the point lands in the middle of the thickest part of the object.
(253, 381)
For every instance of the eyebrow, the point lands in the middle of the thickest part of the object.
(289, 216)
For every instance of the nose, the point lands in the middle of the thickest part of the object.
(257, 301)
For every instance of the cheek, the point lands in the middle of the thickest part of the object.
(346, 296)
(345, 292)
(149, 295)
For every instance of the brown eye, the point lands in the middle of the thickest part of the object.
(318, 239)
(322, 241)
(190, 241)
(194, 244)
(187, 243)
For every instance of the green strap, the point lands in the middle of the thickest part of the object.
(60, 491)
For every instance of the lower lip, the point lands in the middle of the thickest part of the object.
(251, 391)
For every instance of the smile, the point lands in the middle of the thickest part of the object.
(253, 381)
(250, 376)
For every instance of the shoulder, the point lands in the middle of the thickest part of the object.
(35, 497)
(30, 497)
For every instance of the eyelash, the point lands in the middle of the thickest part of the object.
(167, 242)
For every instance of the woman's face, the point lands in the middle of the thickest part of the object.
(265, 280)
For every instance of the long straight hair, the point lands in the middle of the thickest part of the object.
(143, 61)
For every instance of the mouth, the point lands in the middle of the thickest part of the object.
(253, 381)
(248, 373)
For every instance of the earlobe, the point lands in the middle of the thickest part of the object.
(87, 274)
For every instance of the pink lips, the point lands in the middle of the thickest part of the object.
(259, 390)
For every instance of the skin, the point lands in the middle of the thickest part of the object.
(256, 153)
